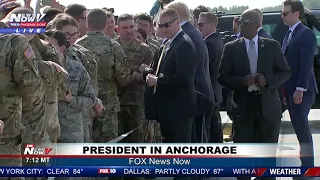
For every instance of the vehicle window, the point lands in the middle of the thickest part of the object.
(317, 33)
(276, 30)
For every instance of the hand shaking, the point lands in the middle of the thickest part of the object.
(151, 80)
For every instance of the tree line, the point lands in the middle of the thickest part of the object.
(310, 4)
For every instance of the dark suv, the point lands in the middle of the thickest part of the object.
(273, 24)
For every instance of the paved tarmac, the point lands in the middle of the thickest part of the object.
(287, 138)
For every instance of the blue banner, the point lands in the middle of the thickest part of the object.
(22, 30)
(155, 171)
(224, 162)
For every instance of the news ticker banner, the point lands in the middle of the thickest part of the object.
(152, 171)
(226, 155)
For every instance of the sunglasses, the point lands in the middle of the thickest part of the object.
(246, 22)
(285, 13)
(202, 24)
(167, 24)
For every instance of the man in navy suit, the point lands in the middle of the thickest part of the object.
(202, 82)
(299, 46)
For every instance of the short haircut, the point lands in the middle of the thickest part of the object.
(143, 33)
(75, 10)
(125, 17)
(143, 17)
(170, 13)
(260, 14)
(97, 19)
(296, 6)
(181, 8)
(109, 14)
(62, 20)
(210, 17)
(50, 13)
(198, 10)
(59, 36)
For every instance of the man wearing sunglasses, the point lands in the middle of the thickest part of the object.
(202, 82)
(172, 81)
(253, 67)
(207, 24)
(299, 46)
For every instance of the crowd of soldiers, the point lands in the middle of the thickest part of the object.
(79, 82)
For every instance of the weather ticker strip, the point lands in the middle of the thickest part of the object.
(156, 171)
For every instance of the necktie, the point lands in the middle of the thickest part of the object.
(252, 54)
(159, 62)
(286, 41)
(253, 59)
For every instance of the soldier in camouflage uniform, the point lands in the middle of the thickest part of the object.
(33, 114)
(132, 95)
(113, 71)
(144, 21)
(54, 77)
(80, 97)
(76, 52)
(109, 29)
(141, 35)
(20, 81)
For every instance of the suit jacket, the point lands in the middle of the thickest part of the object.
(202, 80)
(300, 56)
(271, 63)
(175, 97)
(263, 33)
(215, 47)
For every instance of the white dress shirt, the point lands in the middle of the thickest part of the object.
(253, 62)
(172, 39)
(183, 22)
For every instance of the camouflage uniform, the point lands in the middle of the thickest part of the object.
(153, 47)
(46, 50)
(71, 114)
(20, 81)
(115, 36)
(113, 71)
(54, 78)
(83, 56)
(132, 95)
(153, 41)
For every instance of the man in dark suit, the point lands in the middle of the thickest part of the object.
(172, 81)
(299, 46)
(263, 33)
(253, 67)
(202, 82)
(207, 24)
